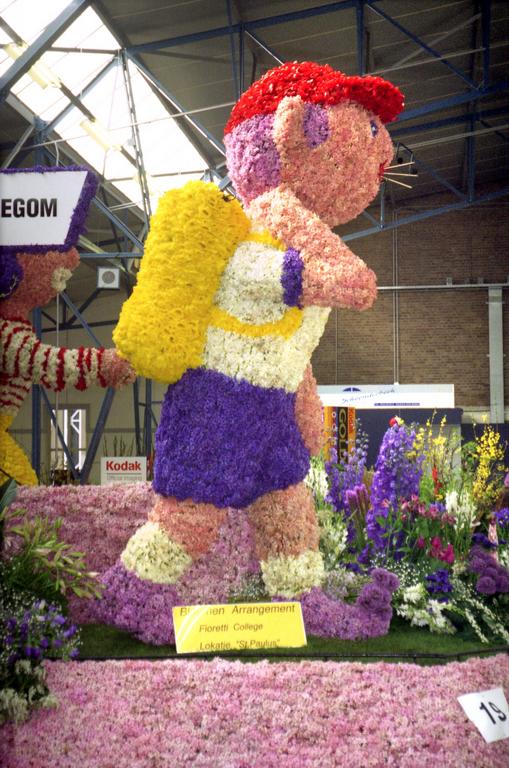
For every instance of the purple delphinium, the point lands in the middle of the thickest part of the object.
(482, 539)
(396, 478)
(502, 517)
(438, 583)
(345, 476)
(493, 578)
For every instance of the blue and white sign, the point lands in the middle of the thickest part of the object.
(43, 209)
(388, 395)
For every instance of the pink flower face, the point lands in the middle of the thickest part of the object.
(338, 178)
(44, 276)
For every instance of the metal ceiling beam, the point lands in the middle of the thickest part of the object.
(34, 52)
(371, 4)
(218, 146)
(395, 130)
(453, 101)
(269, 21)
(427, 214)
(83, 92)
(361, 47)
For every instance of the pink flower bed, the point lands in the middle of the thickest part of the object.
(136, 714)
(97, 520)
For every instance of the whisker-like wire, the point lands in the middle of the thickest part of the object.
(391, 173)
(401, 184)
(400, 165)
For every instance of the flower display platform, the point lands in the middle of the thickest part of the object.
(142, 714)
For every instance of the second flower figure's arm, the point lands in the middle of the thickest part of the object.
(25, 356)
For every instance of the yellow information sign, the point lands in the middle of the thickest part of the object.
(239, 626)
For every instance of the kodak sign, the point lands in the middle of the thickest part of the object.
(122, 469)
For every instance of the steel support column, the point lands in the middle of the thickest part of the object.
(361, 48)
(496, 355)
(36, 404)
(96, 435)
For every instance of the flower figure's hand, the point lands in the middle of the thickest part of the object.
(116, 371)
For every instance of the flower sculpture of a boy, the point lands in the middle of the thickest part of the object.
(229, 306)
(29, 280)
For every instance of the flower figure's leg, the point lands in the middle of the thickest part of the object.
(192, 525)
(176, 534)
(286, 540)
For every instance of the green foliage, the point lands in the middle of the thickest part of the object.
(38, 562)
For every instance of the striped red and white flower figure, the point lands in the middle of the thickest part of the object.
(32, 280)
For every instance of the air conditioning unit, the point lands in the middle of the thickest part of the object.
(108, 277)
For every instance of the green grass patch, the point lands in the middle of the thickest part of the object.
(401, 644)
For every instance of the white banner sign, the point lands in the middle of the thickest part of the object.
(39, 208)
(388, 395)
(489, 712)
(123, 469)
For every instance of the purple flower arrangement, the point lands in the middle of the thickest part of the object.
(492, 578)
(370, 616)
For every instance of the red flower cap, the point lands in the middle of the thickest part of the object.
(316, 84)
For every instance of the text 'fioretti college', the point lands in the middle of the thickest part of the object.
(33, 207)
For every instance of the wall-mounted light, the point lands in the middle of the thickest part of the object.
(40, 73)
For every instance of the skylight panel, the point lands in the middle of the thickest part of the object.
(170, 159)
(29, 18)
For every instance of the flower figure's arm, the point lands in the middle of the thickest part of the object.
(332, 275)
(309, 413)
(23, 355)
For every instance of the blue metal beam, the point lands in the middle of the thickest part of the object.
(395, 130)
(270, 21)
(233, 54)
(177, 105)
(372, 5)
(453, 101)
(436, 175)
(70, 461)
(426, 215)
(96, 435)
(486, 40)
(34, 52)
(74, 309)
(83, 92)
(118, 223)
(361, 48)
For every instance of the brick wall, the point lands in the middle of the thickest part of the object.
(443, 335)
